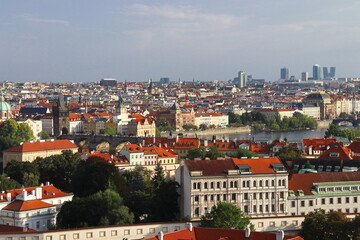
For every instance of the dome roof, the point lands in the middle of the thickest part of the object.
(4, 106)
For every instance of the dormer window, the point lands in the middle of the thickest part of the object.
(244, 168)
(278, 167)
(334, 154)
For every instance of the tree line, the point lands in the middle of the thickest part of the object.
(102, 196)
(260, 122)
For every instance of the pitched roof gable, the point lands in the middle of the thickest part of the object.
(42, 146)
(26, 205)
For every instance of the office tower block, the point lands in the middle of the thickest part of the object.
(242, 79)
(316, 72)
(284, 73)
(325, 73)
(332, 72)
(304, 76)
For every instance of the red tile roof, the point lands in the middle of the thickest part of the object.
(42, 146)
(13, 229)
(305, 181)
(19, 206)
(210, 167)
(48, 191)
(260, 165)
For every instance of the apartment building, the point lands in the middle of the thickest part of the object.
(259, 186)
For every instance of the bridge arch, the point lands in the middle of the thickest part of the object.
(103, 146)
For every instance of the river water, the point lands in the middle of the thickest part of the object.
(291, 136)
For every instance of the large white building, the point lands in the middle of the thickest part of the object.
(32, 207)
(258, 186)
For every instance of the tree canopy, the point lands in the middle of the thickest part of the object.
(289, 152)
(6, 183)
(93, 175)
(103, 208)
(225, 215)
(245, 153)
(13, 133)
(25, 173)
(319, 225)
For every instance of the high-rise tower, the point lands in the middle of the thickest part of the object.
(242, 79)
(61, 117)
(284, 73)
(316, 72)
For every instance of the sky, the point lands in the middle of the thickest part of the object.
(205, 40)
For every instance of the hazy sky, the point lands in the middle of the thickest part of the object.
(86, 40)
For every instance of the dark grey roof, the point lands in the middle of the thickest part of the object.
(32, 111)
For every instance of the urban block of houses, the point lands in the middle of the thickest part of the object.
(32, 207)
(29, 151)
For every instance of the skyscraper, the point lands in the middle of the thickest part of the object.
(327, 74)
(242, 79)
(332, 72)
(316, 72)
(304, 76)
(284, 73)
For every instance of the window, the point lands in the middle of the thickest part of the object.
(218, 184)
(211, 197)
(152, 230)
(282, 208)
(224, 184)
(38, 226)
(281, 195)
(347, 199)
(260, 183)
(197, 211)
(196, 198)
(246, 196)
(272, 224)
(295, 222)
(331, 200)
(224, 197)
(127, 232)
(355, 210)
(194, 185)
(311, 203)
(347, 210)
(165, 229)
(102, 234)
(139, 231)
(302, 203)
(205, 198)
(261, 208)
(90, 235)
(254, 209)
(246, 208)
(283, 223)
(267, 183)
(248, 184)
(260, 224)
(292, 203)
(114, 232)
(267, 208)
(339, 200)
(206, 185)
(355, 199)
(218, 197)
(76, 236)
(233, 196)
(323, 201)
(212, 184)
(254, 196)
(254, 184)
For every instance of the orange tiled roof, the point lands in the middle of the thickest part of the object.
(258, 165)
(42, 146)
(48, 191)
(26, 205)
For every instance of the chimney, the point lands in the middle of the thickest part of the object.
(247, 232)
(47, 183)
(33, 192)
(161, 235)
(38, 193)
(206, 143)
(8, 197)
(279, 235)
(177, 138)
(189, 226)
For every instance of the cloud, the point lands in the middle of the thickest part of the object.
(33, 18)
(184, 13)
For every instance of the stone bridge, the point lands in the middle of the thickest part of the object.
(353, 121)
(102, 142)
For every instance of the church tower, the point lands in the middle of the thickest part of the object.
(61, 117)
(150, 89)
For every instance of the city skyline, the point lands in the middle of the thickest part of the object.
(66, 41)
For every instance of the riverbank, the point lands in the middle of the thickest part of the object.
(211, 132)
(323, 124)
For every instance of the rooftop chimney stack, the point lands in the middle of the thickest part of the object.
(247, 232)
(280, 235)
(8, 197)
(161, 235)
(189, 226)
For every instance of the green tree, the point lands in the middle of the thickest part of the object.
(225, 215)
(189, 127)
(289, 152)
(213, 153)
(93, 175)
(7, 183)
(25, 173)
(164, 125)
(58, 169)
(343, 115)
(258, 127)
(245, 153)
(334, 226)
(103, 208)
(234, 118)
(12, 134)
(196, 153)
(159, 177)
(110, 130)
(203, 126)
(165, 205)
(43, 135)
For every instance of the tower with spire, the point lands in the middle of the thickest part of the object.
(61, 117)
(150, 89)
